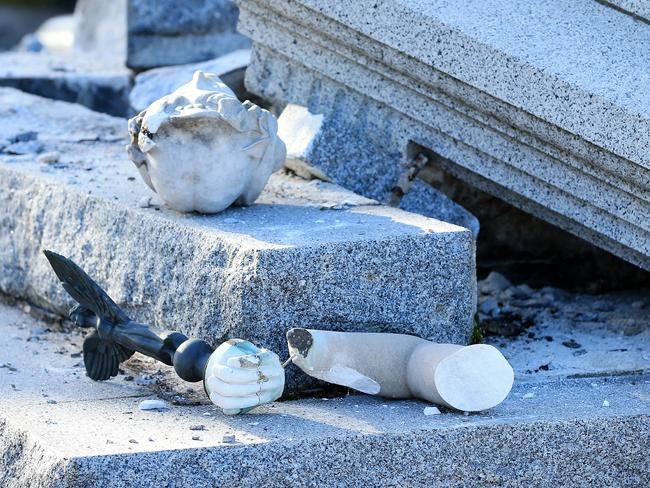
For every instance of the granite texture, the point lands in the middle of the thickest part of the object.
(307, 254)
(80, 78)
(60, 429)
(167, 32)
(330, 148)
(533, 127)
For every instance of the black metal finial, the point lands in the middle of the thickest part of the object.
(116, 337)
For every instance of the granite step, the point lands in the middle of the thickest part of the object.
(307, 254)
(60, 429)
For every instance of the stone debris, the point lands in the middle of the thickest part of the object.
(431, 411)
(528, 395)
(153, 405)
(571, 344)
(197, 427)
(229, 439)
(605, 403)
(48, 158)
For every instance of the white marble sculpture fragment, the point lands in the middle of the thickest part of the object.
(240, 376)
(203, 150)
(468, 378)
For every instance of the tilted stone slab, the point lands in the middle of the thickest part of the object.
(548, 121)
(307, 254)
(59, 429)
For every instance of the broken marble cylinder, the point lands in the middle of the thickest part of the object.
(468, 378)
(203, 150)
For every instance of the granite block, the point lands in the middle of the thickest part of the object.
(168, 32)
(332, 149)
(307, 254)
(570, 160)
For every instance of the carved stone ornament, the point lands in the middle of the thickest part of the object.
(203, 150)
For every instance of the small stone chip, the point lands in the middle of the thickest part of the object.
(229, 438)
(605, 403)
(153, 405)
(431, 411)
(528, 395)
(197, 427)
(196, 438)
(48, 158)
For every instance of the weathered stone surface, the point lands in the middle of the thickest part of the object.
(151, 85)
(79, 78)
(425, 200)
(323, 147)
(306, 254)
(518, 112)
(168, 32)
(60, 429)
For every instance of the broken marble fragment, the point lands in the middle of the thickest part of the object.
(468, 378)
(203, 150)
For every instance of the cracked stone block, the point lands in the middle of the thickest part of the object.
(307, 254)
(550, 115)
(328, 148)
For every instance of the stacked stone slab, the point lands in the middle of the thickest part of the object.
(306, 254)
(546, 107)
(108, 36)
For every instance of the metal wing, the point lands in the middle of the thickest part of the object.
(103, 357)
(84, 290)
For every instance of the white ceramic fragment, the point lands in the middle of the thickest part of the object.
(240, 376)
(203, 150)
(468, 378)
